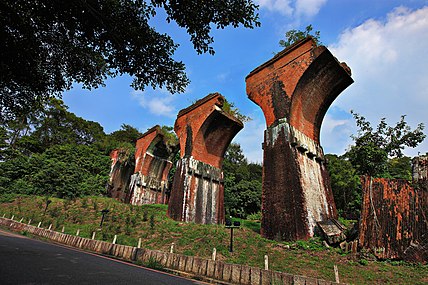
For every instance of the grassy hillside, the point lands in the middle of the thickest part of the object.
(149, 222)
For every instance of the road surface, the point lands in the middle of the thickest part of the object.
(27, 261)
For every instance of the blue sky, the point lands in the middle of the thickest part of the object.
(384, 42)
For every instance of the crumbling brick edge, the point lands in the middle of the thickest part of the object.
(195, 267)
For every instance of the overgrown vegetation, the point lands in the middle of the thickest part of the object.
(242, 183)
(56, 153)
(309, 258)
(374, 147)
(293, 36)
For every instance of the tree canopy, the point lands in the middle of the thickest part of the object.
(48, 45)
(242, 183)
(373, 147)
(293, 36)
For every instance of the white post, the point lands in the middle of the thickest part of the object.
(29, 222)
(93, 235)
(4, 215)
(50, 227)
(214, 253)
(172, 248)
(13, 216)
(63, 229)
(40, 223)
(114, 239)
(266, 262)
(78, 232)
(21, 220)
(336, 273)
(139, 243)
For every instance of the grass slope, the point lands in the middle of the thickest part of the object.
(157, 231)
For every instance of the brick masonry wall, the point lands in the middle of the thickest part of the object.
(119, 178)
(194, 266)
(393, 217)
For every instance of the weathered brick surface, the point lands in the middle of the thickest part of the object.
(147, 182)
(394, 218)
(120, 174)
(294, 89)
(204, 131)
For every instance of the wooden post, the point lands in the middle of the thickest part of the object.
(336, 274)
(139, 243)
(21, 220)
(29, 222)
(93, 235)
(50, 227)
(40, 223)
(13, 216)
(214, 253)
(266, 262)
(114, 239)
(63, 229)
(172, 248)
(78, 232)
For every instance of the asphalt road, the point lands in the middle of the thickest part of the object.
(27, 261)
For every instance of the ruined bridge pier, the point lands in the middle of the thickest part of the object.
(145, 180)
(294, 90)
(153, 155)
(204, 131)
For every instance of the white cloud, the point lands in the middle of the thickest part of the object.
(335, 133)
(158, 102)
(309, 8)
(389, 65)
(281, 6)
(293, 8)
(223, 77)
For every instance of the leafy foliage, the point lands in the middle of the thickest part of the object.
(400, 168)
(61, 171)
(169, 135)
(126, 134)
(372, 147)
(294, 36)
(242, 183)
(346, 186)
(48, 45)
(229, 108)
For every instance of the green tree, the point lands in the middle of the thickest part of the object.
(369, 155)
(294, 36)
(400, 168)
(61, 171)
(242, 183)
(48, 45)
(126, 134)
(346, 186)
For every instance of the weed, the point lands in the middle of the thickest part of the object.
(54, 212)
(363, 262)
(255, 217)
(84, 203)
(152, 222)
(154, 264)
(145, 214)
